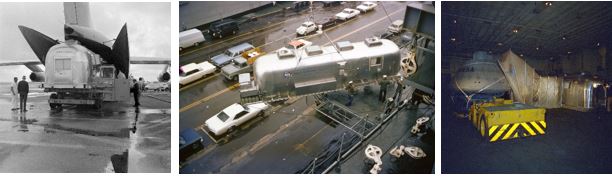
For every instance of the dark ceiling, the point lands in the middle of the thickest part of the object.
(488, 26)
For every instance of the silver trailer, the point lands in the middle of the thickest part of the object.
(292, 73)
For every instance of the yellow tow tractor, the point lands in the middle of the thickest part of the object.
(500, 119)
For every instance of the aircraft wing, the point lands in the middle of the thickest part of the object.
(32, 65)
(149, 60)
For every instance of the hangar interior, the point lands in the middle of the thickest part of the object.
(526, 87)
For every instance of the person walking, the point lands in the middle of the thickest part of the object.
(23, 88)
(14, 92)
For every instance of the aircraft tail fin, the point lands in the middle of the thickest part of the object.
(77, 13)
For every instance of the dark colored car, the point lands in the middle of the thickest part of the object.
(223, 28)
(190, 143)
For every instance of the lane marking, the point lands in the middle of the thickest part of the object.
(183, 109)
(198, 82)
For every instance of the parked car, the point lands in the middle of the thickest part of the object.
(297, 44)
(233, 116)
(192, 37)
(327, 23)
(192, 72)
(366, 6)
(231, 53)
(396, 26)
(331, 3)
(346, 14)
(252, 55)
(306, 28)
(223, 28)
(190, 142)
(156, 86)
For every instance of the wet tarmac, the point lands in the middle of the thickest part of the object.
(116, 138)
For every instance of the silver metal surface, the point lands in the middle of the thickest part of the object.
(304, 74)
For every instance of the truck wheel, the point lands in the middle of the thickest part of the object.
(220, 36)
(196, 44)
(98, 104)
(180, 49)
(234, 32)
(232, 130)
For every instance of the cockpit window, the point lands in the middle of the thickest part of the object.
(62, 64)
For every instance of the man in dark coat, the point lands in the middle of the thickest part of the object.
(23, 88)
(136, 91)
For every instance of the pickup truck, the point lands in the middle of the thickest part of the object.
(237, 67)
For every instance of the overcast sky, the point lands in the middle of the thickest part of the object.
(148, 31)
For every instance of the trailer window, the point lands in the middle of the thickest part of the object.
(107, 72)
(62, 64)
(375, 61)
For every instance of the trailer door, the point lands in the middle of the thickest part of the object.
(63, 71)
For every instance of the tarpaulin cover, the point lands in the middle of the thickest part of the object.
(528, 86)
(531, 88)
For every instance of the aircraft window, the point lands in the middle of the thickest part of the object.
(375, 61)
(62, 64)
(107, 72)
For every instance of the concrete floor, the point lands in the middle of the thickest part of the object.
(575, 142)
(82, 139)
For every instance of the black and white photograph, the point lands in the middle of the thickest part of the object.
(85, 87)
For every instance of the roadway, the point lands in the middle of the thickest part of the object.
(288, 138)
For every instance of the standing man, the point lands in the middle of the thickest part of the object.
(382, 94)
(23, 88)
(14, 92)
(136, 90)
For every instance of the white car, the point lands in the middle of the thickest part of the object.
(192, 72)
(396, 26)
(231, 117)
(366, 6)
(346, 14)
(305, 28)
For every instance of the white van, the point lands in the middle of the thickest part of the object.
(192, 72)
(190, 38)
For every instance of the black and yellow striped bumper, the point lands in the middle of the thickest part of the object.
(516, 130)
